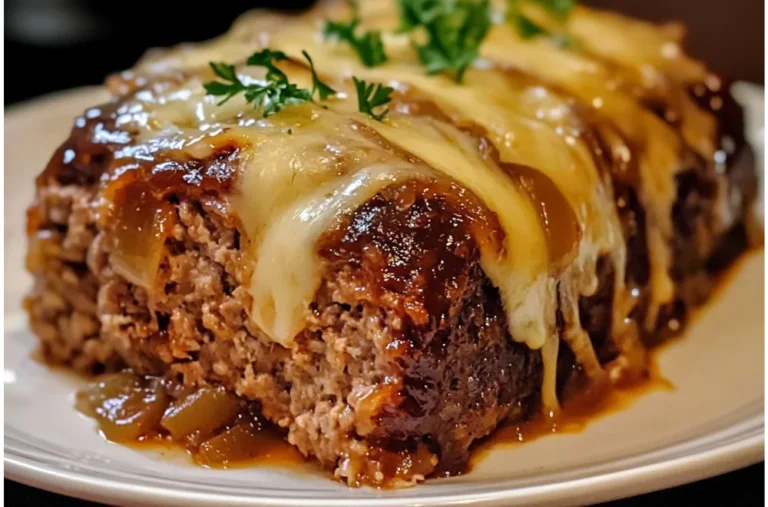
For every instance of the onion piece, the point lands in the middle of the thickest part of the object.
(138, 224)
(125, 406)
(203, 411)
(238, 443)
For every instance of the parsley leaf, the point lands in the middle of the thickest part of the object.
(322, 89)
(264, 58)
(455, 30)
(414, 13)
(528, 28)
(272, 96)
(228, 90)
(370, 96)
(369, 46)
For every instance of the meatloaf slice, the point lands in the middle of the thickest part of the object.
(362, 386)
(488, 247)
(403, 357)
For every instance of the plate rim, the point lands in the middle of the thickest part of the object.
(600, 488)
(652, 476)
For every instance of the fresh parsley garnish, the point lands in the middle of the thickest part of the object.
(414, 13)
(455, 29)
(559, 10)
(228, 89)
(526, 27)
(368, 46)
(323, 90)
(278, 92)
(371, 96)
(266, 58)
(272, 96)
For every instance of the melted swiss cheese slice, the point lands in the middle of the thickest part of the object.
(302, 169)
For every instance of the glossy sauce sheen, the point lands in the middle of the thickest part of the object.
(579, 409)
(584, 404)
(256, 442)
(219, 430)
(407, 254)
(530, 150)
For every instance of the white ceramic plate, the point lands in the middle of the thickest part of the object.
(711, 423)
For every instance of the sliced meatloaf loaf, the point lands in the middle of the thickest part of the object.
(389, 291)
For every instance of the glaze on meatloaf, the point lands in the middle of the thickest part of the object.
(395, 288)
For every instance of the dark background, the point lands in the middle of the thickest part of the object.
(57, 44)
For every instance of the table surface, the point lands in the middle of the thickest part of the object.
(74, 48)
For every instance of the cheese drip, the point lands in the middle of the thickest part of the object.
(643, 51)
(291, 188)
(527, 124)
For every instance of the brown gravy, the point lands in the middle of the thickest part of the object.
(267, 448)
(581, 408)
(577, 412)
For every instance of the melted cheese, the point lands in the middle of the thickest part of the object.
(521, 273)
(549, 352)
(287, 272)
(529, 125)
(294, 187)
(635, 43)
(662, 147)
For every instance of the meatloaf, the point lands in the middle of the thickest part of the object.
(387, 289)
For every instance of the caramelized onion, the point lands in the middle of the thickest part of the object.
(125, 406)
(138, 224)
(238, 443)
(201, 412)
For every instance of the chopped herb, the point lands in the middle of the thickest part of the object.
(265, 58)
(371, 96)
(369, 46)
(528, 28)
(322, 89)
(415, 13)
(228, 90)
(455, 30)
(290, 132)
(271, 96)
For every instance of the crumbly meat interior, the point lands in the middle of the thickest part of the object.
(362, 382)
